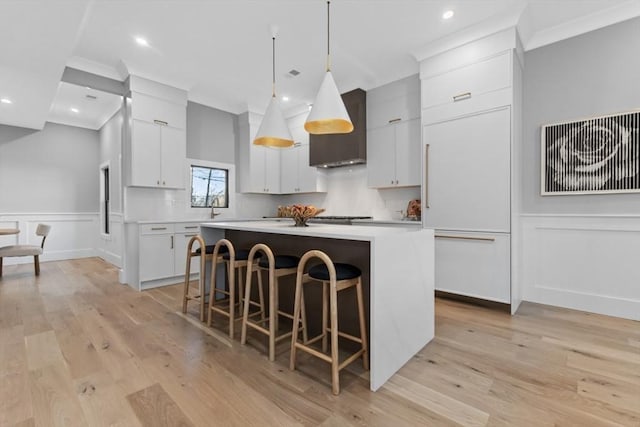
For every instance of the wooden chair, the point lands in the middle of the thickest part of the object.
(27, 250)
(334, 278)
(277, 266)
(208, 256)
(235, 261)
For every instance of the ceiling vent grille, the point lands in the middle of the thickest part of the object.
(91, 97)
(293, 73)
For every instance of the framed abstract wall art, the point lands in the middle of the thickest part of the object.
(592, 156)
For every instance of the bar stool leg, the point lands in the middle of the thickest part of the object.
(273, 316)
(303, 311)
(296, 321)
(247, 295)
(263, 312)
(202, 285)
(325, 315)
(363, 326)
(232, 301)
(185, 292)
(335, 372)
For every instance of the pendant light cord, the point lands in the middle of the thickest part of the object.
(273, 65)
(328, 32)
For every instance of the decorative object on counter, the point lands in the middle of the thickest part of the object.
(273, 131)
(299, 213)
(592, 156)
(414, 209)
(328, 114)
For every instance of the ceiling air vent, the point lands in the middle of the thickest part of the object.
(91, 97)
(293, 73)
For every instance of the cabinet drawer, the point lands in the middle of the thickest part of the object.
(150, 109)
(160, 228)
(187, 227)
(473, 264)
(468, 81)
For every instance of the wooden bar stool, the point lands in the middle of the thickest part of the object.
(334, 278)
(277, 266)
(235, 261)
(201, 295)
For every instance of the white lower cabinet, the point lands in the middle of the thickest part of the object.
(163, 252)
(473, 264)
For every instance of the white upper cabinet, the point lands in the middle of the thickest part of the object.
(488, 75)
(155, 143)
(295, 173)
(393, 135)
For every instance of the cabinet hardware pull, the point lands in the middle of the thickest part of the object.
(172, 242)
(448, 236)
(160, 122)
(163, 183)
(395, 120)
(426, 176)
(462, 96)
(191, 226)
(158, 228)
(158, 182)
(190, 235)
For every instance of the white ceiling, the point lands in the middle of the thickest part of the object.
(220, 50)
(93, 107)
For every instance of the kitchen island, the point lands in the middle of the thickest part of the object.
(398, 277)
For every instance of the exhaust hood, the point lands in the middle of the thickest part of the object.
(329, 151)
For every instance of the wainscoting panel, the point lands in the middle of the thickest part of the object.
(587, 263)
(110, 246)
(73, 235)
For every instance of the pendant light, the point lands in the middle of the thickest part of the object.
(273, 131)
(328, 114)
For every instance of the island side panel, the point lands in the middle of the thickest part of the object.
(402, 300)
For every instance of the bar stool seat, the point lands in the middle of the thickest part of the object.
(235, 261)
(277, 266)
(209, 250)
(334, 278)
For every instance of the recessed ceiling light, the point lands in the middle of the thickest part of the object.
(6, 101)
(285, 98)
(74, 110)
(142, 41)
(447, 14)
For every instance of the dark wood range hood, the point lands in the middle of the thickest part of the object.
(343, 149)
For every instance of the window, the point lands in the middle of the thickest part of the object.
(105, 199)
(209, 186)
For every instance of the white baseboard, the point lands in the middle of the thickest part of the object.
(582, 262)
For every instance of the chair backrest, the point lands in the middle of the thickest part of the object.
(43, 230)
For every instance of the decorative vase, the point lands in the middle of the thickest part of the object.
(300, 221)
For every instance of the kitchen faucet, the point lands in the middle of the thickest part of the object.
(213, 211)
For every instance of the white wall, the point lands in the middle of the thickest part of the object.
(110, 247)
(579, 251)
(52, 170)
(50, 176)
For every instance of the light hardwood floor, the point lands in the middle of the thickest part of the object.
(77, 348)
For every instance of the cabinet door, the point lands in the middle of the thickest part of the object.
(156, 256)
(473, 264)
(408, 149)
(468, 173)
(256, 168)
(381, 157)
(181, 240)
(272, 170)
(289, 170)
(145, 154)
(307, 175)
(173, 144)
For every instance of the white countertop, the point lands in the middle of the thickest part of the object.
(331, 231)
